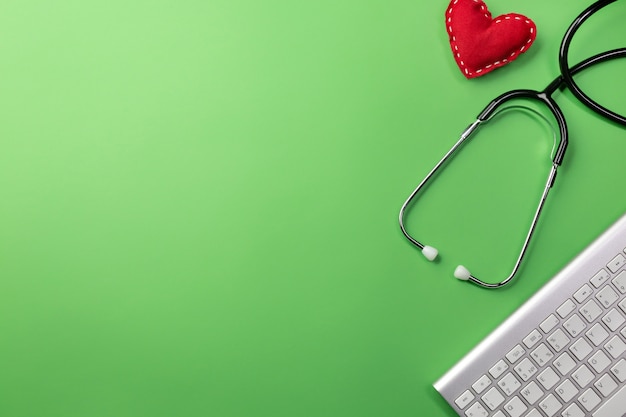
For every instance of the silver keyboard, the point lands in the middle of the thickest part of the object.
(562, 353)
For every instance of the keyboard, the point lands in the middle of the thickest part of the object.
(562, 353)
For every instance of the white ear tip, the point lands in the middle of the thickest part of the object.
(462, 273)
(430, 253)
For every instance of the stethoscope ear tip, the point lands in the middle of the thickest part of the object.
(430, 253)
(462, 273)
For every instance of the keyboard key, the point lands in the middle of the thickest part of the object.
(613, 406)
(591, 311)
(573, 411)
(482, 384)
(619, 370)
(550, 405)
(515, 353)
(583, 293)
(532, 393)
(607, 296)
(515, 407)
(599, 361)
(476, 410)
(613, 319)
(583, 376)
(464, 399)
(581, 349)
(542, 355)
(622, 305)
(600, 278)
(605, 385)
(566, 390)
(597, 334)
(566, 308)
(525, 369)
(493, 398)
(548, 324)
(620, 282)
(615, 347)
(499, 414)
(548, 378)
(589, 400)
(498, 369)
(532, 339)
(533, 413)
(558, 340)
(564, 364)
(574, 325)
(509, 384)
(616, 263)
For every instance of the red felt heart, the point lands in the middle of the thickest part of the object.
(481, 44)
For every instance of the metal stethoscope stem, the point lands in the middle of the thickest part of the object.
(431, 253)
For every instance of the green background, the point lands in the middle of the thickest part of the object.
(199, 200)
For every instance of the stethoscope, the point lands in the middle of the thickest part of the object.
(544, 97)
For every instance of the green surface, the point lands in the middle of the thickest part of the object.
(199, 202)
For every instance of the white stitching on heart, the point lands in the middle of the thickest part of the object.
(483, 9)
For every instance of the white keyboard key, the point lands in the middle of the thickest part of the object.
(499, 414)
(620, 282)
(607, 296)
(464, 399)
(525, 369)
(515, 407)
(477, 410)
(605, 385)
(482, 384)
(573, 411)
(566, 308)
(515, 353)
(558, 340)
(619, 370)
(564, 364)
(566, 390)
(574, 325)
(498, 369)
(493, 398)
(550, 405)
(583, 293)
(534, 413)
(600, 278)
(548, 378)
(509, 384)
(583, 376)
(613, 319)
(581, 349)
(599, 361)
(591, 310)
(542, 355)
(615, 347)
(589, 400)
(622, 305)
(597, 334)
(616, 263)
(532, 339)
(532, 393)
(614, 406)
(549, 323)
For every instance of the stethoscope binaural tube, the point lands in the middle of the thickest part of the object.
(564, 79)
(430, 252)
